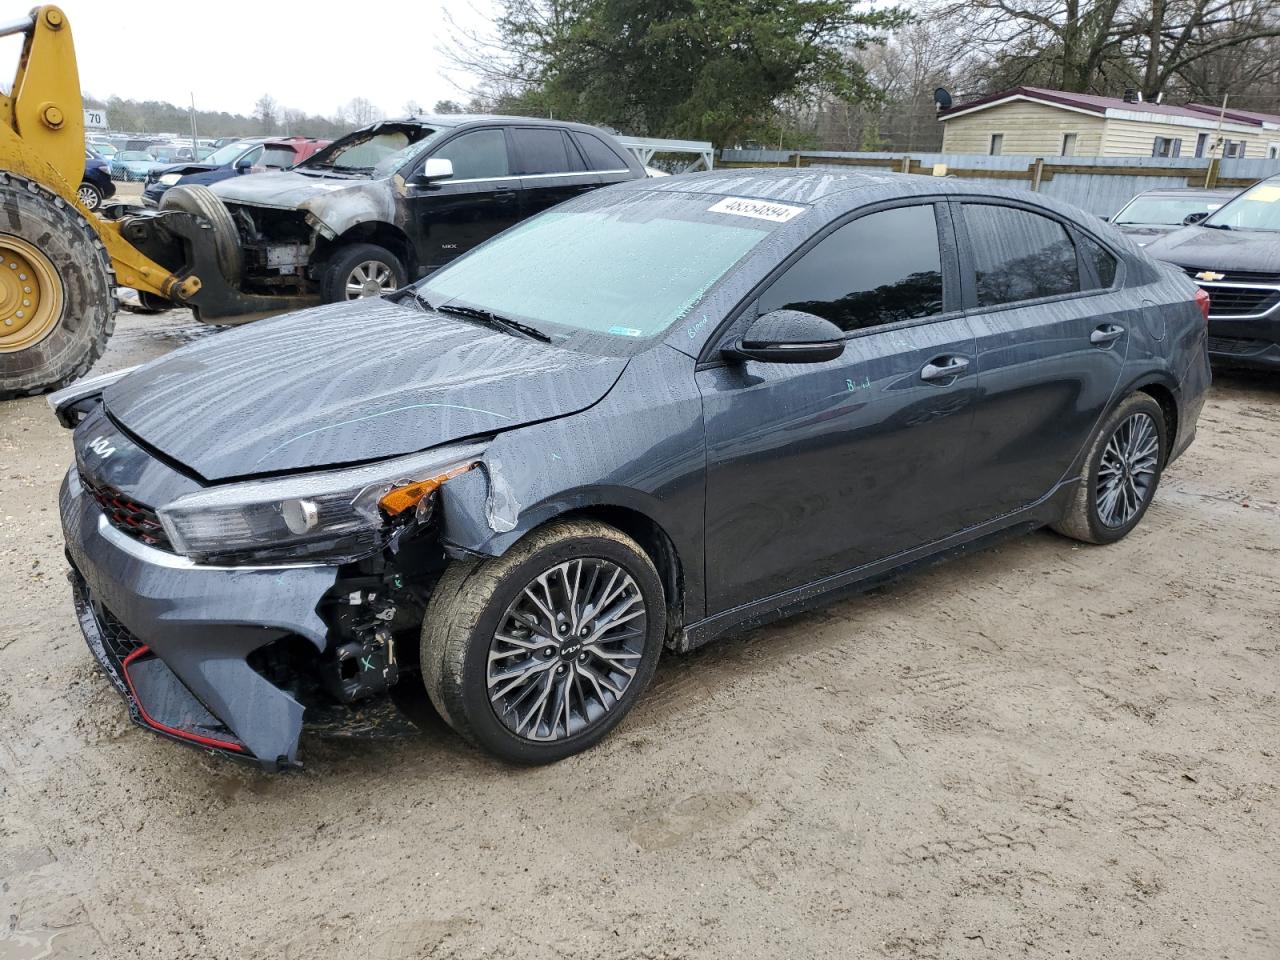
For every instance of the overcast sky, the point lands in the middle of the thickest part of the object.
(313, 56)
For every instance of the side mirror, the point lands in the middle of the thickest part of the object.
(244, 164)
(434, 170)
(788, 336)
(1196, 217)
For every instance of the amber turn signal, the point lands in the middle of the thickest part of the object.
(397, 501)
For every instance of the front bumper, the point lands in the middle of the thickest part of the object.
(194, 625)
(1227, 348)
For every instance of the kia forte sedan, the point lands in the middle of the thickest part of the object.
(659, 412)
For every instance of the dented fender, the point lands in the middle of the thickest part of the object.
(601, 459)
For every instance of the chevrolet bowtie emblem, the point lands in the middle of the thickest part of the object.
(1210, 275)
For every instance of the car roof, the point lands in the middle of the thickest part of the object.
(461, 119)
(1189, 193)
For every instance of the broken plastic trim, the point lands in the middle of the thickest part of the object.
(71, 404)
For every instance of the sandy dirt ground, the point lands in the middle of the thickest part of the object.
(1041, 750)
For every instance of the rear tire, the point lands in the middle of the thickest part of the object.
(472, 644)
(360, 265)
(69, 291)
(90, 195)
(1120, 473)
(202, 202)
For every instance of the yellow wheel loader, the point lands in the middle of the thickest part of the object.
(60, 263)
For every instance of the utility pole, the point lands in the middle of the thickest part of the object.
(1211, 175)
(195, 148)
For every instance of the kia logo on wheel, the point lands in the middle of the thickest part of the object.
(102, 447)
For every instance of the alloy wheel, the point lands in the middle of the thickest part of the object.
(88, 196)
(566, 649)
(372, 278)
(1127, 470)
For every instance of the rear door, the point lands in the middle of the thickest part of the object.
(482, 198)
(815, 469)
(550, 167)
(1053, 329)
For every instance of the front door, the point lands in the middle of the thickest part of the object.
(815, 469)
(481, 199)
(1052, 337)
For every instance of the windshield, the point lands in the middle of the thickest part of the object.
(224, 155)
(135, 155)
(1256, 209)
(1166, 211)
(623, 267)
(378, 152)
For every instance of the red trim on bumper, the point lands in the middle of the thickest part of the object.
(156, 725)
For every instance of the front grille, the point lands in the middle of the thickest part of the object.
(116, 637)
(1236, 276)
(1236, 347)
(1240, 301)
(131, 518)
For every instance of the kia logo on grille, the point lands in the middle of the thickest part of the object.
(102, 447)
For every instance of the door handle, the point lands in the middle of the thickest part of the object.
(947, 369)
(1106, 335)
(505, 195)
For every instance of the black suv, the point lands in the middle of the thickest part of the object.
(395, 200)
(1234, 254)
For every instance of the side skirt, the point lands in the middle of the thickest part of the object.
(868, 576)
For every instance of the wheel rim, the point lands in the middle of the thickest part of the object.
(89, 197)
(30, 295)
(1127, 471)
(567, 649)
(372, 278)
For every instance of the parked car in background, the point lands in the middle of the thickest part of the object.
(1234, 255)
(96, 185)
(133, 165)
(399, 198)
(658, 413)
(171, 152)
(1156, 212)
(102, 149)
(255, 155)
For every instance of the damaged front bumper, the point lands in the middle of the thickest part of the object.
(174, 636)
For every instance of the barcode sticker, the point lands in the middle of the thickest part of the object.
(759, 209)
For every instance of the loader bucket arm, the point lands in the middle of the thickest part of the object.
(42, 139)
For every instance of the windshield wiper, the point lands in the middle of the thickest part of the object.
(1216, 226)
(494, 320)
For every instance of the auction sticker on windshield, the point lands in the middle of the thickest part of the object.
(759, 209)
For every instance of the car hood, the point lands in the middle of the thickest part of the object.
(186, 168)
(347, 383)
(1251, 251)
(337, 203)
(1143, 234)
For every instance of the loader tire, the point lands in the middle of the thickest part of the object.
(57, 290)
(201, 202)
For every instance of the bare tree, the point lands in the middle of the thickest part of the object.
(265, 111)
(358, 111)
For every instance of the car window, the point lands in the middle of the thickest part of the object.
(478, 155)
(1164, 211)
(598, 153)
(1019, 255)
(878, 269)
(278, 157)
(540, 150)
(251, 158)
(1256, 209)
(1104, 264)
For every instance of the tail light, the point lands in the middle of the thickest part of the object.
(1202, 301)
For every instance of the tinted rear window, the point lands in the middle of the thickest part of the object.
(1019, 255)
(1104, 264)
(541, 151)
(598, 153)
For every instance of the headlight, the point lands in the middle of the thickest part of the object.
(169, 179)
(334, 517)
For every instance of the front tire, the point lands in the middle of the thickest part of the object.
(360, 270)
(1120, 474)
(57, 303)
(536, 655)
